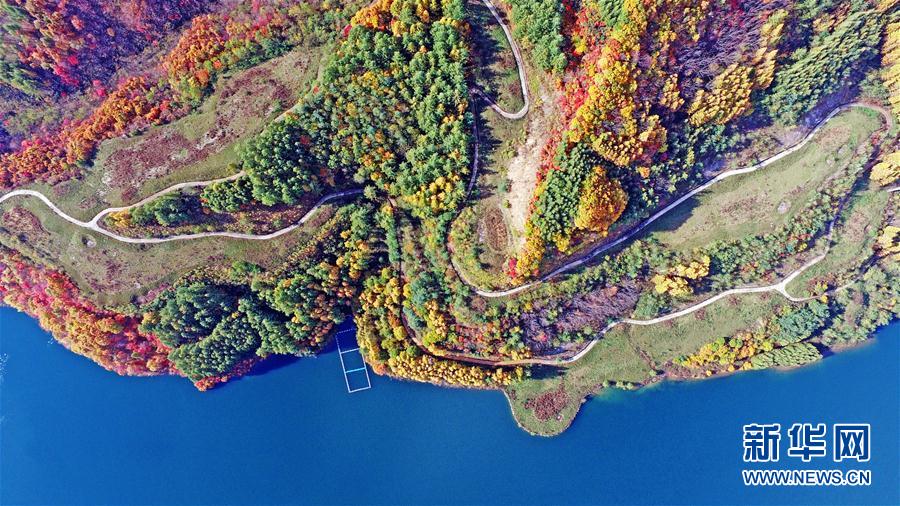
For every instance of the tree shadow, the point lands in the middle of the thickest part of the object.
(486, 48)
(487, 149)
(273, 363)
(544, 372)
(674, 219)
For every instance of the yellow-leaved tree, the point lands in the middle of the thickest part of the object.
(887, 171)
(602, 202)
(890, 65)
(677, 282)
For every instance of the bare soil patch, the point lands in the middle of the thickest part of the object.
(523, 168)
(494, 230)
(24, 221)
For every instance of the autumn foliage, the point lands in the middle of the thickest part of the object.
(602, 203)
(678, 281)
(887, 171)
(212, 44)
(112, 340)
(67, 45)
(215, 43)
(639, 67)
(728, 96)
(890, 65)
(448, 372)
(389, 348)
(201, 42)
(56, 156)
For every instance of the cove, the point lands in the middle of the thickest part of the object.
(72, 433)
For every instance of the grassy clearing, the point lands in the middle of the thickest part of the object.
(763, 201)
(683, 336)
(612, 360)
(199, 146)
(616, 358)
(853, 240)
(110, 272)
(480, 254)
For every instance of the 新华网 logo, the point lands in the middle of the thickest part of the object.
(805, 442)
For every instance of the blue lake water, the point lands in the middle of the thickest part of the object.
(72, 433)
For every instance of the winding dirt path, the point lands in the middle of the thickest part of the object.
(520, 66)
(192, 184)
(94, 223)
(523, 83)
(780, 287)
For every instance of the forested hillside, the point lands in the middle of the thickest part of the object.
(673, 153)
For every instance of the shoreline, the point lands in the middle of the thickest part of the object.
(597, 393)
(665, 378)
